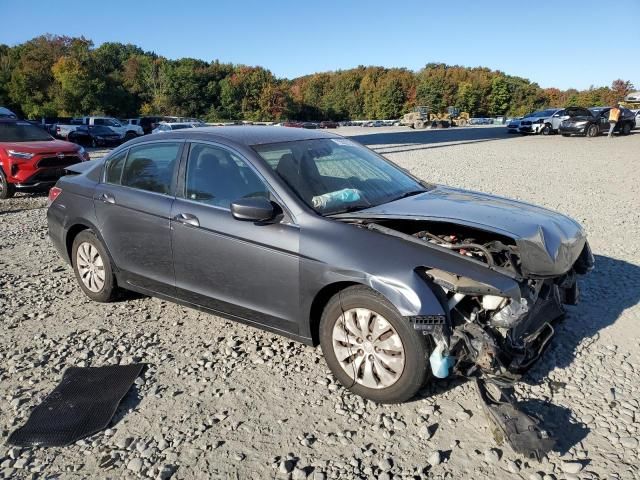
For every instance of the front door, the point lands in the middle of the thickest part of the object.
(239, 268)
(133, 208)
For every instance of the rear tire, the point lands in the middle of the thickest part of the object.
(7, 190)
(546, 130)
(92, 267)
(388, 357)
(129, 136)
(626, 129)
(592, 131)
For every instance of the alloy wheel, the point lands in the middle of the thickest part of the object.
(90, 266)
(368, 348)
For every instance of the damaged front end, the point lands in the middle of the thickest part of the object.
(493, 334)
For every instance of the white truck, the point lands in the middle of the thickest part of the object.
(126, 131)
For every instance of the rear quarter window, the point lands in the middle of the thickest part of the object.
(114, 167)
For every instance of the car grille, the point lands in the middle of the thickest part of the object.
(56, 162)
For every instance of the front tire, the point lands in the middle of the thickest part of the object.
(592, 131)
(7, 190)
(92, 267)
(546, 130)
(371, 349)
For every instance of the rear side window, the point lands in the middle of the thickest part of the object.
(114, 168)
(151, 167)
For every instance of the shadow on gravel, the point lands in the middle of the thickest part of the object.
(611, 288)
(429, 137)
(558, 421)
(129, 403)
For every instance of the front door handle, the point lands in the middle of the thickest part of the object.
(187, 219)
(107, 198)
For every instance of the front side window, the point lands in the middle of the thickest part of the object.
(218, 177)
(335, 175)
(151, 167)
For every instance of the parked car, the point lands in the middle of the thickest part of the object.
(637, 113)
(147, 123)
(6, 113)
(31, 159)
(329, 124)
(314, 236)
(95, 136)
(170, 127)
(594, 121)
(514, 124)
(127, 131)
(538, 122)
(480, 121)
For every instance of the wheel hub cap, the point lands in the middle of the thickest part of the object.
(90, 267)
(368, 348)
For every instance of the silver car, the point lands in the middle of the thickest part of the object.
(539, 122)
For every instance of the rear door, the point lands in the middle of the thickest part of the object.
(244, 269)
(133, 207)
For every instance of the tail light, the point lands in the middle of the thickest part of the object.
(53, 194)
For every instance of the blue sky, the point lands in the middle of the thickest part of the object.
(565, 44)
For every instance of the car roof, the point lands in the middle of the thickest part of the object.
(246, 135)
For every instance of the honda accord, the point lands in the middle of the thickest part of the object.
(311, 235)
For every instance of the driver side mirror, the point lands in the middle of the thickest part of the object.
(253, 209)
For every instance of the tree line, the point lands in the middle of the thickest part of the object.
(67, 76)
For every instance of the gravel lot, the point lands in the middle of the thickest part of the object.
(223, 400)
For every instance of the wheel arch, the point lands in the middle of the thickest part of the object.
(72, 232)
(320, 302)
(411, 300)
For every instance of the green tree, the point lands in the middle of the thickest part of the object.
(500, 97)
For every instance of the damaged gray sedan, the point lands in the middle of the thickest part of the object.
(314, 236)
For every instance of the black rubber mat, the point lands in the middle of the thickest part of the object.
(82, 404)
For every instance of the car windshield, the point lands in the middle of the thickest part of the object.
(110, 122)
(544, 113)
(336, 175)
(22, 132)
(179, 126)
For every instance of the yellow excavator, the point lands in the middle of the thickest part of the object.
(421, 117)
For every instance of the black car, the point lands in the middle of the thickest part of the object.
(95, 136)
(312, 235)
(591, 122)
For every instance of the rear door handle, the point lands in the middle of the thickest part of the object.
(107, 198)
(187, 219)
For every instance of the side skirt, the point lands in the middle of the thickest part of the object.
(246, 321)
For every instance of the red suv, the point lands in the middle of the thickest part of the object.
(31, 159)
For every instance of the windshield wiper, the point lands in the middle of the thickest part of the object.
(352, 208)
(408, 194)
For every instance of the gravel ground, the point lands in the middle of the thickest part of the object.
(223, 400)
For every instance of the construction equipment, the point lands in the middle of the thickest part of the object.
(421, 118)
(418, 118)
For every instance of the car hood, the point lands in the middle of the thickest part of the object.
(549, 242)
(50, 146)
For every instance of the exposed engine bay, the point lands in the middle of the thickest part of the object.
(487, 335)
